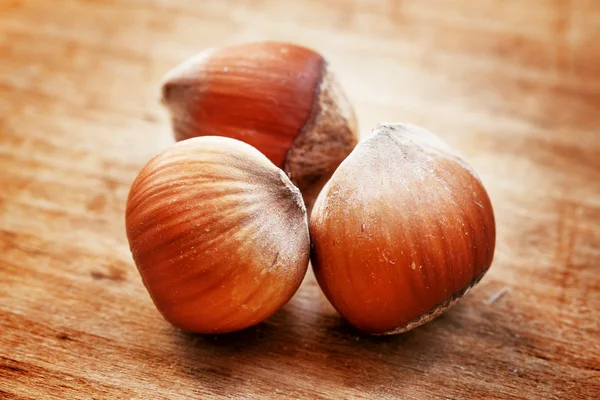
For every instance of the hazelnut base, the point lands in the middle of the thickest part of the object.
(435, 311)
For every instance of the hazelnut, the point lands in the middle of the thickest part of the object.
(218, 233)
(281, 98)
(403, 228)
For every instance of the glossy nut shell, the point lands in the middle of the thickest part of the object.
(218, 233)
(403, 229)
(281, 98)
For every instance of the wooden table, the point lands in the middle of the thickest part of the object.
(514, 85)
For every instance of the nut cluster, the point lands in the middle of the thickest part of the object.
(217, 223)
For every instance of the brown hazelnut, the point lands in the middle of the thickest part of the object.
(218, 233)
(281, 98)
(403, 228)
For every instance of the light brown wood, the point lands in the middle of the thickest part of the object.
(514, 85)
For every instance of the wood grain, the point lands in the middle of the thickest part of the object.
(514, 85)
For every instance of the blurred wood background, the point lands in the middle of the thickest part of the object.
(514, 85)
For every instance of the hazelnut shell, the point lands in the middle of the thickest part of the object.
(281, 98)
(402, 229)
(218, 233)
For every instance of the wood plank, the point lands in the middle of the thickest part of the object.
(513, 85)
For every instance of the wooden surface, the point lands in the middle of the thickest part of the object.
(514, 85)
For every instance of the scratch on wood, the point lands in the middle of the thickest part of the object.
(65, 337)
(113, 274)
(9, 364)
(497, 296)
